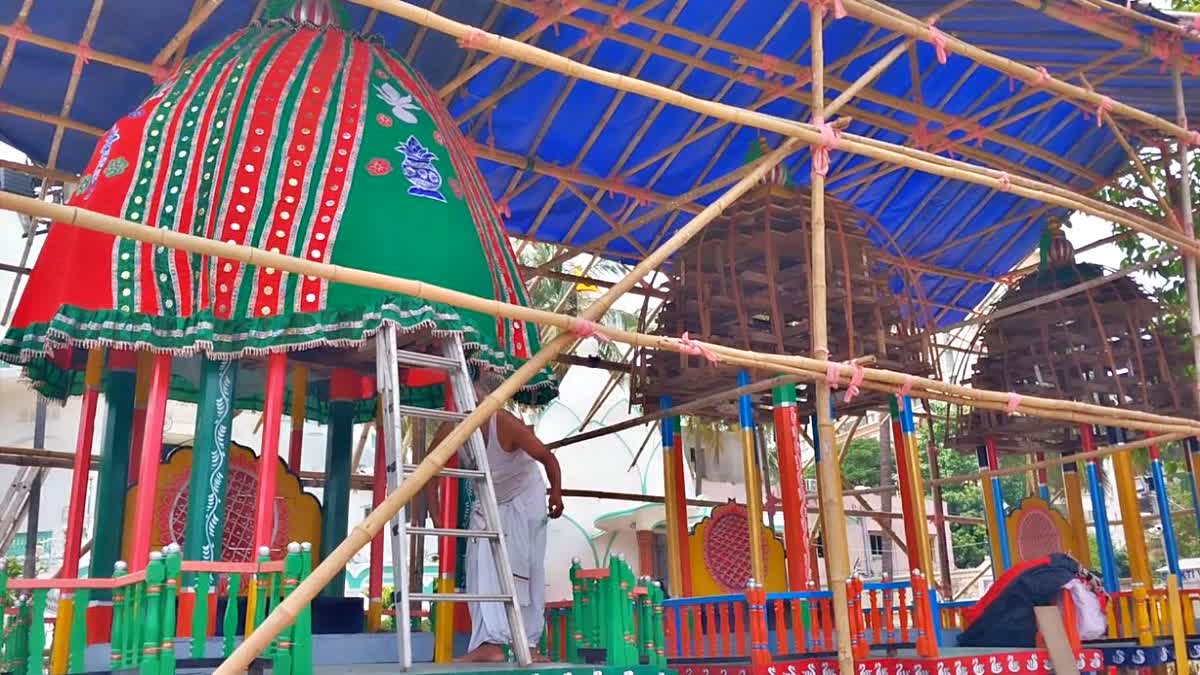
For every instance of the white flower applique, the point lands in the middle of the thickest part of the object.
(402, 105)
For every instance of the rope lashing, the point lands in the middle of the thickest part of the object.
(472, 39)
(839, 9)
(907, 386)
(1005, 181)
(1105, 106)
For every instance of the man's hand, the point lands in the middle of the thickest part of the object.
(556, 504)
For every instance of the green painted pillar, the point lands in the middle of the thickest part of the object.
(344, 389)
(112, 476)
(210, 461)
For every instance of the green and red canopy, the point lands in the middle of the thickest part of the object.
(294, 136)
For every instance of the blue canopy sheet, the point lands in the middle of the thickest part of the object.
(534, 128)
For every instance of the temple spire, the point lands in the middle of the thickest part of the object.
(314, 12)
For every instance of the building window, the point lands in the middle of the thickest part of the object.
(876, 541)
(819, 546)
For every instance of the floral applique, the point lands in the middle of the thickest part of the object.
(379, 167)
(116, 167)
(402, 104)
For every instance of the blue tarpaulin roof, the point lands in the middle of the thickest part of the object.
(542, 118)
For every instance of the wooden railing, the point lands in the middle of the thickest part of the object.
(800, 624)
(1139, 614)
(146, 618)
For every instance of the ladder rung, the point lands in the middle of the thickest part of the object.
(450, 473)
(459, 597)
(430, 413)
(449, 532)
(427, 360)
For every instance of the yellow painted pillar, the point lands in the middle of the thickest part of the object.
(1073, 490)
(1131, 520)
(1178, 633)
(753, 488)
(60, 651)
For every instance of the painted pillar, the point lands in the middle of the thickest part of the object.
(299, 400)
(667, 437)
(753, 489)
(443, 627)
(149, 459)
(344, 388)
(1043, 479)
(645, 543)
(63, 625)
(791, 486)
(939, 518)
(912, 533)
(1192, 453)
(145, 368)
(378, 493)
(83, 464)
(1108, 565)
(113, 473)
(993, 463)
(1075, 515)
(676, 503)
(274, 390)
(1164, 512)
(1131, 513)
(209, 479)
(814, 572)
(989, 513)
(916, 492)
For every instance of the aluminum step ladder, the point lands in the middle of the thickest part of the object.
(15, 503)
(388, 361)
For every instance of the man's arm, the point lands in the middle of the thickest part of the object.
(524, 438)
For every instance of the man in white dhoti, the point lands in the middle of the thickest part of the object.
(513, 455)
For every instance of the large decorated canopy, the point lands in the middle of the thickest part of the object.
(294, 136)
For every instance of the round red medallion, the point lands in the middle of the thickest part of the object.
(383, 119)
(379, 167)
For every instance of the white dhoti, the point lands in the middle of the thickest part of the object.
(523, 519)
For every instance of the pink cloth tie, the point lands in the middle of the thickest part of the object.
(938, 39)
(693, 348)
(1014, 402)
(582, 329)
(907, 386)
(853, 390)
(830, 137)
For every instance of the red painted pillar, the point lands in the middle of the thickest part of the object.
(159, 384)
(791, 487)
(912, 531)
(681, 514)
(268, 457)
(83, 464)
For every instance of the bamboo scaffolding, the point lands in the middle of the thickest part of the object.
(880, 15)
(808, 368)
(76, 50)
(362, 534)
(89, 30)
(39, 171)
(867, 147)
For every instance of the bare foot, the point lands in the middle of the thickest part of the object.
(539, 657)
(484, 653)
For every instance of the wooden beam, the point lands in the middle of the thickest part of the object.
(194, 22)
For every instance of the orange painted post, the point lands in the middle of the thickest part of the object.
(756, 596)
(781, 636)
(723, 615)
(739, 630)
(151, 455)
(274, 389)
(876, 620)
(827, 622)
(668, 631)
(888, 608)
(797, 625)
(902, 614)
(708, 638)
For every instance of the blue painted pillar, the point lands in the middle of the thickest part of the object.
(1164, 511)
(1108, 565)
(993, 463)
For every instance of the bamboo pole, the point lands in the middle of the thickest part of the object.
(924, 161)
(362, 534)
(808, 368)
(194, 22)
(880, 15)
(829, 480)
(92, 54)
(39, 171)
(1189, 222)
